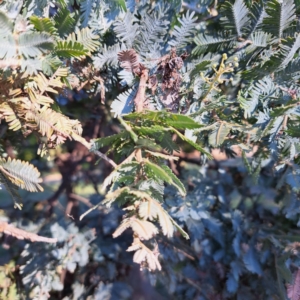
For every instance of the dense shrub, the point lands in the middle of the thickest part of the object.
(195, 105)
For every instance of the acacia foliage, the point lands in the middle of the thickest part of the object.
(173, 82)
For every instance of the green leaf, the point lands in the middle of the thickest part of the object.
(166, 118)
(110, 140)
(64, 22)
(175, 180)
(121, 4)
(165, 174)
(144, 229)
(280, 16)
(70, 49)
(161, 136)
(148, 144)
(184, 34)
(43, 24)
(196, 146)
(8, 46)
(85, 37)
(202, 66)
(235, 16)
(124, 102)
(211, 43)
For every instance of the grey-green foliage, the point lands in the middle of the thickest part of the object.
(235, 89)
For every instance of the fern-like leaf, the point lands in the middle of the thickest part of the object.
(281, 14)
(165, 174)
(144, 255)
(85, 37)
(290, 47)
(109, 56)
(144, 229)
(125, 29)
(34, 44)
(256, 16)
(70, 49)
(43, 24)
(49, 121)
(235, 16)
(184, 33)
(9, 114)
(64, 22)
(129, 60)
(208, 43)
(86, 7)
(151, 209)
(153, 30)
(124, 103)
(21, 174)
(11, 188)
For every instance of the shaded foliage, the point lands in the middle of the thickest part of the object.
(150, 84)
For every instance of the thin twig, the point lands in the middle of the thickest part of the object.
(82, 199)
(103, 156)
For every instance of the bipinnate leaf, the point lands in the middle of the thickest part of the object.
(85, 37)
(280, 15)
(34, 43)
(86, 8)
(70, 49)
(183, 34)
(9, 114)
(43, 24)
(144, 229)
(232, 284)
(109, 140)
(196, 146)
(129, 60)
(64, 21)
(124, 103)
(164, 118)
(22, 234)
(251, 261)
(112, 196)
(235, 16)
(165, 174)
(151, 209)
(144, 255)
(21, 173)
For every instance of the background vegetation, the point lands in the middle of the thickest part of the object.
(149, 149)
